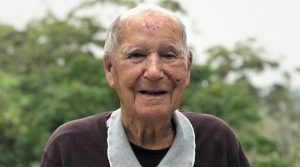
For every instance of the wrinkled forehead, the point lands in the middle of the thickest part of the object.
(150, 10)
(149, 21)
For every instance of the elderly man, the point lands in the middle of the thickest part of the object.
(148, 63)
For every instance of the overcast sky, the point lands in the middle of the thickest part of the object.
(274, 23)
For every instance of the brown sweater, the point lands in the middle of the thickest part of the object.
(83, 143)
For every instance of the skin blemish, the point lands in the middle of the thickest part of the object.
(152, 25)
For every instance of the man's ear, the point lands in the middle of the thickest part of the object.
(190, 60)
(108, 67)
(189, 67)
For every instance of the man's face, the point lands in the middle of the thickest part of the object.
(149, 70)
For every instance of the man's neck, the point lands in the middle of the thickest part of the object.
(152, 135)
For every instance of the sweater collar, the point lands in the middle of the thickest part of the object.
(181, 153)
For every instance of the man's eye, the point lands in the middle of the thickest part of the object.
(136, 55)
(169, 55)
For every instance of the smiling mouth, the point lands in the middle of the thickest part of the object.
(153, 93)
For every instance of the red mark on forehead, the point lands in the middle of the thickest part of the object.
(152, 25)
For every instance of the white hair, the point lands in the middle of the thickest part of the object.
(112, 36)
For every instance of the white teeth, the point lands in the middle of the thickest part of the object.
(155, 93)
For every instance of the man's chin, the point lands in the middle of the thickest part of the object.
(154, 113)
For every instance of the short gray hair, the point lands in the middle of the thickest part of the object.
(112, 36)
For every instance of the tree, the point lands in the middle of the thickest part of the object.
(58, 80)
(236, 100)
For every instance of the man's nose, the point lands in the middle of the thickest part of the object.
(153, 68)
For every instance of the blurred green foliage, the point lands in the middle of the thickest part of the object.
(50, 75)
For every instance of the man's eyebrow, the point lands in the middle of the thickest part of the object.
(173, 46)
(176, 47)
(127, 50)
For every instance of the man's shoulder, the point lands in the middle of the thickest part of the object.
(83, 126)
(81, 137)
(202, 119)
(209, 125)
(215, 141)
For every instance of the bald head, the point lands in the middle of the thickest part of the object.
(149, 19)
